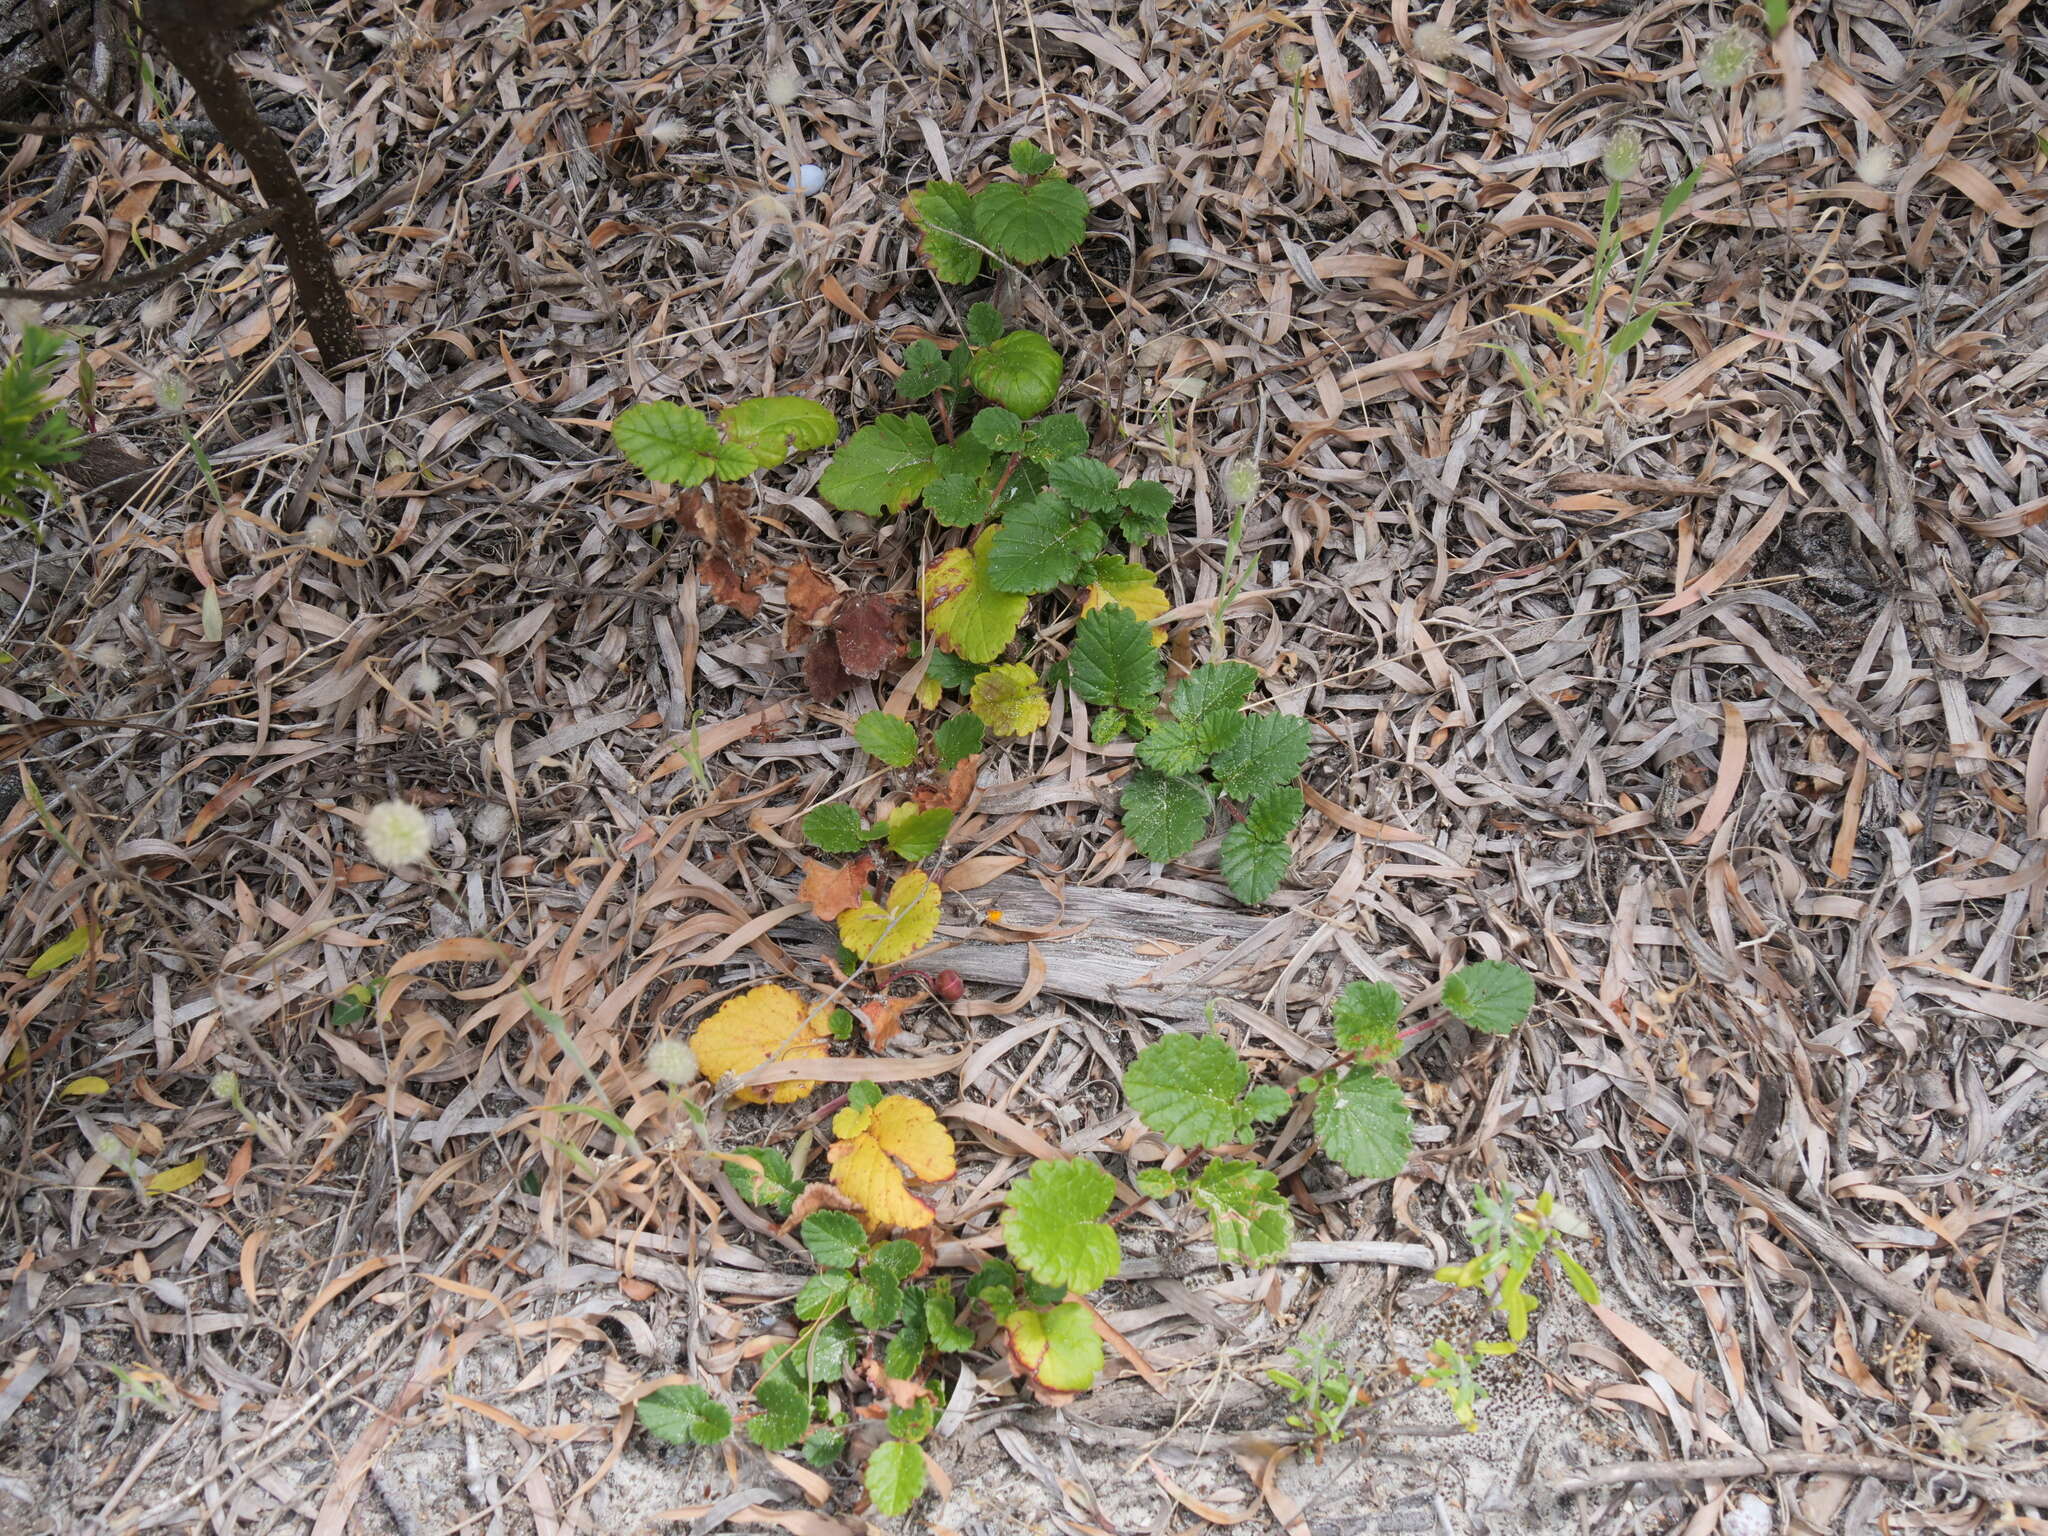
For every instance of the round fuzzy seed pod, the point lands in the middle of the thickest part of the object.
(397, 834)
(1436, 42)
(672, 1062)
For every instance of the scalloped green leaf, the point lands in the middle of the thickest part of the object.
(1040, 544)
(1492, 996)
(1088, 483)
(894, 1476)
(944, 215)
(1275, 813)
(1020, 371)
(1246, 1210)
(835, 829)
(1216, 688)
(1028, 224)
(683, 1413)
(1253, 866)
(1366, 1017)
(1050, 1226)
(668, 443)
(1114, 663)
(883, 467)
(886, 736)
(1058, 1346)
(1186, 1089)
(969, 615)
(1164, 815)
(835, 1239)
(1363, 1124)
(1268, 752)
(776, 426)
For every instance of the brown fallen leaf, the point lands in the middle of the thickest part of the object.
(809, 592)
(869, 629)
(832, 890)
(824, 678)
(882, 1020)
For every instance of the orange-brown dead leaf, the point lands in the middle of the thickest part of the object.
(831, 891)
(882, 1020)
(809, 593)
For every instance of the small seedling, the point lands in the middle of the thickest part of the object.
(35, 435)
(1322, 1391)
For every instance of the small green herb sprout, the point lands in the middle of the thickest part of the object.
(1037, 216)
(1512, 1238)
(34, 434)
(1322, 1391)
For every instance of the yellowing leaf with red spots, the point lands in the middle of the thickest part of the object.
(769, 1023)
(872, 1143)
(882, 935)
(1011, 700)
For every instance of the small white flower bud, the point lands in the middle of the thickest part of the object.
(1241, 481)
(782, 86)
(173, 391)
(810, 179)
(160, 310)
(224, 1086)
(669, 133)
(108, 656)
(672, 1062)
(1290, 61)
(397, 834)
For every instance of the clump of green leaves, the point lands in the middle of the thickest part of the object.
(1195, 1092)
(1321, 1390)
(35, 435)
(1206, 745)
(1512, 1238)
(1031, 218)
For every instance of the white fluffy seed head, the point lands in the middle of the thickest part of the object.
(782, 86)
(672, 1062)
(1770, 104)
(1877, 165)
(160, 310)
(107, 656)
(493, 824)
(397, 834)
(426, 679)
(1436, 42)
(668, 133)
(1290, 61)
(1747, 1515)
(173, 390)
(321, 530)
(1624, 152)
(1727, 59)
(1241, 481)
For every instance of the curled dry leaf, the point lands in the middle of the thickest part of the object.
(832, 890)
(719, 518)
(808, 592)
(882, 1019)
(768, 1023)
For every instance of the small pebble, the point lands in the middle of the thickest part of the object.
(810, 179)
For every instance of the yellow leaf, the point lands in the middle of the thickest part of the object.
(17, 1061)
(1010, 700)
(61, 953)
(929, 692)
(1565, 329)
(1133, 587)
(883, 935)
(83, 1087)
(171, 1180)
(899, 1129)
(969, 616)
(768, 1023)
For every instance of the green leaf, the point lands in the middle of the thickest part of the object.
(999, 429)
(1492, 996)
(1031, 223)
(683, 1414)
(822, 1447)
(1165, 816)
(785, 1413)
(1060, 436)
(863, 1095)
(1182, 746)
(1267, 753)
(668, 443)
(984, 323)
(1039, 545)
(913, 1422)
(1367, 1018)
(959, 737)
(822, 1293)
(886, 736)
(1268, 1101)
(1058, 1346)
(835, 829)
(1106, 725)
(944, 216)
(1363, 1125)
(1253, 866)
(951, 673)
(1575, 1273)
(835, 1239)
(962, 456)
(775, 1186)
(775, 426)
(1632, 331)
(942, 1323)
(1275, 813)
(1114, 663)
(920, 834)
(60, 954)
(874, 1300)
(1146, 505)
(925, 368)
(894, 1476)
(995, 1283)
(1089, 484)
(1219, 688)
(1049, 1224)
(1246, 1209)
(1021, 371)
(956, 501)
(1027, 159)
(882, 467)
(1156, 1183)
(898, 1259)
(1186, 1089)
